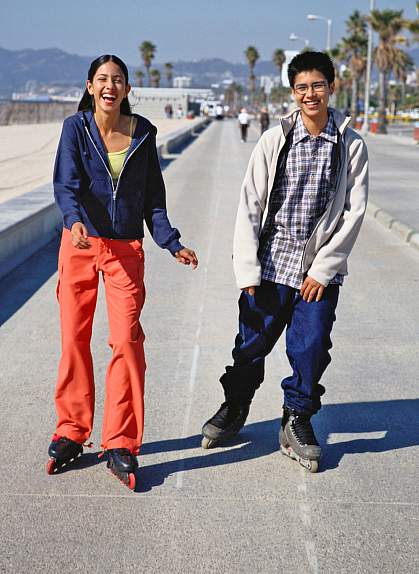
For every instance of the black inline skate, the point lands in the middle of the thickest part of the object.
(123, 464)
(297, 439)
(62, 451)
(225, 424)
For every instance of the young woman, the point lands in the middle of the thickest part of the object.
(107, 181)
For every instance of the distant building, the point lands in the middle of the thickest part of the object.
(412, 79)
(269, 82)
(182, 82)
(30, 97)
(150, 102)
(289, 55)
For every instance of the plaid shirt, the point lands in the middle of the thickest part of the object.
(299, 199)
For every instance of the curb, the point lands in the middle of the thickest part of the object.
(403, 231)
(30, 221)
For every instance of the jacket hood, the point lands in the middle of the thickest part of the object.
(340, 120)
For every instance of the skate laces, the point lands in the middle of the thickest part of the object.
(58, 438)
(121, 451)
(303, 430)
(224, 414)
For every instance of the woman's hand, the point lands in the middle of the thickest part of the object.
(250, 290)
(79, 236)
(187, 257)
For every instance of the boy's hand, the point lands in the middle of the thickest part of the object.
(187, 257)
(250, 290)
(311, 289)
(79, 236)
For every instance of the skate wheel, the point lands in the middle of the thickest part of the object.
(51, 466)
(207, 442)
(131, 481)
(314, 466)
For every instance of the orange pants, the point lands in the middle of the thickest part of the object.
(122, 267)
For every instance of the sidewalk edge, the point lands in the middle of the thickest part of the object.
(399, 228)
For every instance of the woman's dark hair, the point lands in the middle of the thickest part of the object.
(307, 61)
(87, 102)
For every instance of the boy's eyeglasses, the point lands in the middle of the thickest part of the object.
(318, 87)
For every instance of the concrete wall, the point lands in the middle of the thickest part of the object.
(35, 112)
(150, 102)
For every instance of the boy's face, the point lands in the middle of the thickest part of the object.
(312, 91)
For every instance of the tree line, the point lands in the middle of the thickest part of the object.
(395, 34)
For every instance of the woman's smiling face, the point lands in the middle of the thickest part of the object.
(108, 87)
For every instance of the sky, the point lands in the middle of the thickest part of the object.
(181, 29)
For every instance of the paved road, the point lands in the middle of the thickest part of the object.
(243, 508)
(27, 154)
(394, 177)
(402, 129)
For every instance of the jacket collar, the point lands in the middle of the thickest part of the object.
(341, 121)
(88, 120)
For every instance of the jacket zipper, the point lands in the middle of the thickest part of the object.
(114, 189)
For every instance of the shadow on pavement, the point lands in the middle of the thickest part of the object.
(398, 420)
(254, 441)
(20, 284)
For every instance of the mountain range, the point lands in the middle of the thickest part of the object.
(23, 69)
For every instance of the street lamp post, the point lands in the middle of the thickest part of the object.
(329, 28)
(364, 128)
(294, 37)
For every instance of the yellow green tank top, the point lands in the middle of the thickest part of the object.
(116, 158)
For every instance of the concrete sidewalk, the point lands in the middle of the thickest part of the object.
(243, 508)
(394, 184)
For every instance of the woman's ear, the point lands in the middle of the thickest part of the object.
(89, 87)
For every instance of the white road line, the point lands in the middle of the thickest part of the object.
(192, 379)
(305, 514)
(304, 504)
(267, 499)
(196, 351)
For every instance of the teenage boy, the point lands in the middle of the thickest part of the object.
(302, 203)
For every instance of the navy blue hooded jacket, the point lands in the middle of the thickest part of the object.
(84, 190)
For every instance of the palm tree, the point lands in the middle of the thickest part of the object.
(355, 50)
(155, 78)
(252, 56)
(413, 26)
(148, 51)
(279, 61)
(339, 57)
(140, 78)
(388, 24)
(168, 72)
(233, 95)
(402, 65)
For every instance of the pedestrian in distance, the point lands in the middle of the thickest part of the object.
(168, 110)
(107, 181)
(244, 121)
(301, 207)
(179, 112)
(264, 120)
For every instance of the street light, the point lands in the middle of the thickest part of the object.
(329, 28)
(364, 129)
(294, 37)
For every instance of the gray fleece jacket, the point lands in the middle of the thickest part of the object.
(327, 249)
